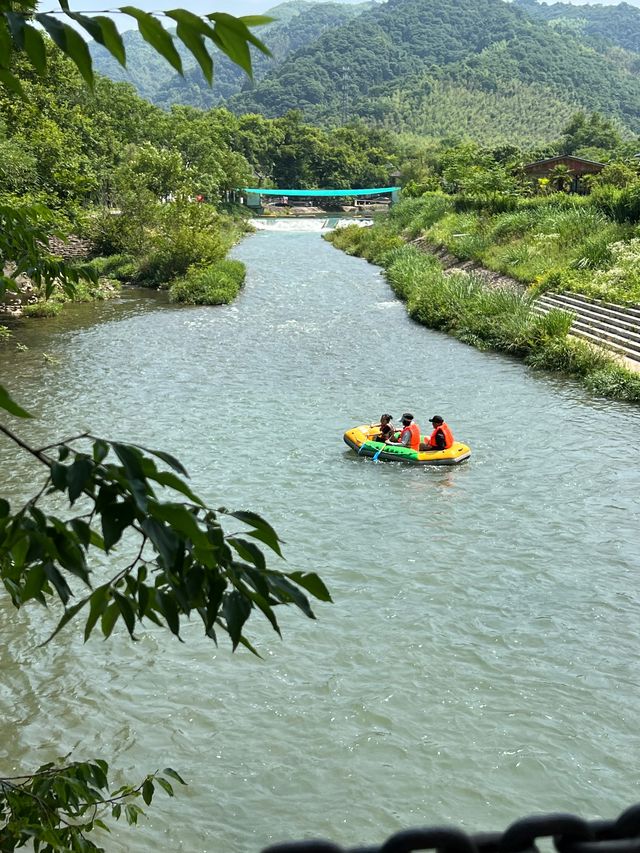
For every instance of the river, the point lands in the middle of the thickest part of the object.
(480, 661)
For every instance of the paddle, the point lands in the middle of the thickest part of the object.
(378, 452)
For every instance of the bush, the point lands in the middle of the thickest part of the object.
(217, 284)
(120, 266)
(174, 252)
(42, 309)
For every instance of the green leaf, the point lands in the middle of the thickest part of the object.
(154, 34)
(312, 583)
(236, 611)
(98, 603)
(147, 791)
(67, 617)
(115, 518)
(168, 787)
(249, 551)
(78, 475)
(6, 45)
(163, 539)
(70, 43)
(171, 461)
(100, 450)
(104, 31)
(166, 478)
(262, 529)
(109, 619)
(6, 402)
(5, 508)
(190, 31)
(34, 47)
(168, 771)
(169, 610)
(11, 82)
(181, 519)
(195, 42)
(256, 20)
(128, 614)
(59, 476)
(60, 584)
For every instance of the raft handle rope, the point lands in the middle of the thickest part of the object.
(570, 834)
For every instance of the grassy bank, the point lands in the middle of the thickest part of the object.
(180, 246)
(461, 305)
(584, 244)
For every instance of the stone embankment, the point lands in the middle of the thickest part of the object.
(604, 324)
(71, 249)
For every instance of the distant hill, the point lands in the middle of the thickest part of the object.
(296, 24)
(432, 65)
(617, 25)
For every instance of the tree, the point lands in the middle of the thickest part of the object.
(184, 563)
(560, 177)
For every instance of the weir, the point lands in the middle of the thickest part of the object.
(254, 194)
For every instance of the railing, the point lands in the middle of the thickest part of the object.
(569, 834)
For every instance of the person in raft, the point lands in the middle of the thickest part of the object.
(387, 429)
(441, 438)
(410, 435)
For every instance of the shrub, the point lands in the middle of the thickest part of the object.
(217, 284)
(172, 253)
(42, 309)
(120, 266)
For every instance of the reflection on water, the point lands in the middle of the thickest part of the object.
(480, 660)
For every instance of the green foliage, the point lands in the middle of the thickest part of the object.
(295, 24)
(41, 308)
(55, 807)
(217, 284)
(538, 234)
(477, 69)
(230, 35)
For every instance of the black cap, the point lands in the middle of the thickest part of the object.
(407, 417)
(436, 419)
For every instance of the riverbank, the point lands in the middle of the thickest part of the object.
(460, 303)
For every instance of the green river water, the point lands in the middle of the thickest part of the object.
(481, 660)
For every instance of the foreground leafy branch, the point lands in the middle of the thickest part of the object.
(56, 807)
(182, 565)
(20, 31)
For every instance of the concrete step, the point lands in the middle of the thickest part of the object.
(609, 328)
(628, 313)
(608, 338)
(618, 348)
(632, 310)
(629, 331)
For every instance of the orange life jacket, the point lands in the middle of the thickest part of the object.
(448, 436)
(414, 435)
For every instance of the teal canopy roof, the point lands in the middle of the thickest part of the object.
(320, 193)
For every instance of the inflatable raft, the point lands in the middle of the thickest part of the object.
(360, 439)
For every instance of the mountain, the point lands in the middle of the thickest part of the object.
(426, 65)
(617, 25)
(296, 24)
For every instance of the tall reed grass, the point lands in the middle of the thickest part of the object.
(461, 304)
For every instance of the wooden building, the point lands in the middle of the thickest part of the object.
(576, 166)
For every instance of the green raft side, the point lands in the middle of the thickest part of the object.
(390, 451)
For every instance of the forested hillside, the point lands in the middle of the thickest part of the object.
(422, 64)
(610, 25)
(295, 24)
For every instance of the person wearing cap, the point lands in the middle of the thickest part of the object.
(410, 435)
(387, 429)
(441, 438)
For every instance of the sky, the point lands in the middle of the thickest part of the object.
(199, 7)
(234, 7)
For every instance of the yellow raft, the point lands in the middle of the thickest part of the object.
(360, 439)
